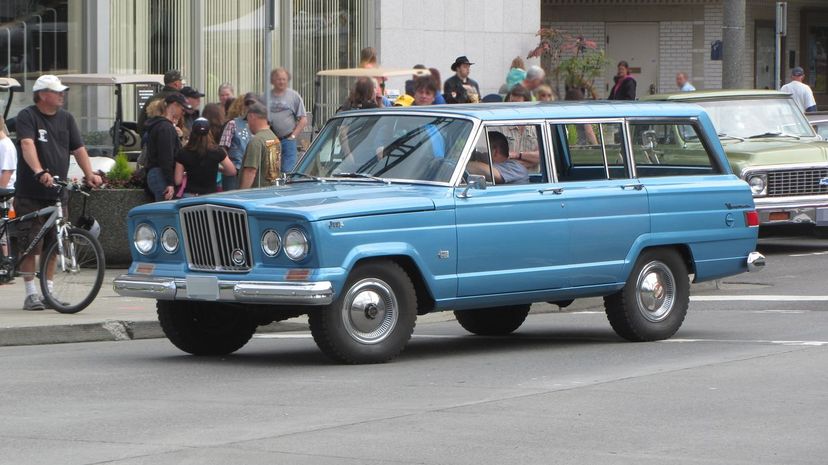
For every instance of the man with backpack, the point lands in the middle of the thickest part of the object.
(263, 157)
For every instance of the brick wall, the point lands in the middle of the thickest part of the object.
(712, 31)
(675, 53)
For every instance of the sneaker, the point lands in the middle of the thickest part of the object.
(46, 303)
(33, 303)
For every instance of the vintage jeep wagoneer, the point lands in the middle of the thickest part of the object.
(480, 209)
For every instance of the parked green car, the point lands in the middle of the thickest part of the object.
(769, 144)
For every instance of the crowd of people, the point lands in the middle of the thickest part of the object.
(235, 143)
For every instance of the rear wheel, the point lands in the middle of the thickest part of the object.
(78, 272)
(372, 319)
(653, 303)
(496, 321)
(205, 328)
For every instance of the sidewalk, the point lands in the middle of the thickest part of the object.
(115, 318)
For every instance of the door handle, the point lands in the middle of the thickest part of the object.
(637, 187)
(552, 190)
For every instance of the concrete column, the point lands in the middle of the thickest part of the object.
(733, 36)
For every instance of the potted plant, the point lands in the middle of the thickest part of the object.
(121, 191)
(575, 58)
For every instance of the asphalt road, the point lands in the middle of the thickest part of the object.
(743, 382)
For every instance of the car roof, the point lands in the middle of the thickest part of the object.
(7, 83)
(111, 79)
(718, 95)
(373, 72)
(560, 109)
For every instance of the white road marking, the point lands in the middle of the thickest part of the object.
(808, 254)
(786, 312)
(749, 341)
(759, 298)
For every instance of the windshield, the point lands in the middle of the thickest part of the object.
(759, 117)
(406, 147)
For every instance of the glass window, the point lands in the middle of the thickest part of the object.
(509, 155)
(756, 118)
(670, 149)
(416, 148)
(590, 151)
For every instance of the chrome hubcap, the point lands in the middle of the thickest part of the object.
(656, 291)
(370, 311)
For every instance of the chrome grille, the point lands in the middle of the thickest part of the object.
(797, 182)
(216, 238)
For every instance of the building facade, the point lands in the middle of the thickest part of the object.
(660, 38)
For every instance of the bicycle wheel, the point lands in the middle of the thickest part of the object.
(78, 275)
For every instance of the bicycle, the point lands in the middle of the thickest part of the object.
(74, 262)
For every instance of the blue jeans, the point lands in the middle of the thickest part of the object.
(157, 183)
(229, 183)
(288, 155)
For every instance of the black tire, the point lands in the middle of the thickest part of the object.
(496, 321)
(372, 319)
(658, 310)
(205, 328)
(77, 280)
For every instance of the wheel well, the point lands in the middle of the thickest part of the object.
(683, 251)
(425, 301)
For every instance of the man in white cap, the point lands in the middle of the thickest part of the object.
(47, 134)
(801, 93)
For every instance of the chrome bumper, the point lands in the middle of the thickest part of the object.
(755, 262)
(804, 210)
(163, 288)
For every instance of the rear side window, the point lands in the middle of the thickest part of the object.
(590, 151)
(670, 149)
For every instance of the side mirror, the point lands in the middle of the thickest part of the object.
(475, 181)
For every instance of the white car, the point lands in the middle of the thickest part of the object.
(98, 163)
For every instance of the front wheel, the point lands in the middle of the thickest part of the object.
(372, 319)
(653, 303)
(70, 280)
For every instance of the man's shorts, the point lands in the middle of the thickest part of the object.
(27, 231)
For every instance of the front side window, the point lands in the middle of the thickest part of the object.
(757, 118)
(401, 147)
(670, 149)
(508, 155)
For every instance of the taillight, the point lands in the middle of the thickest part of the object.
(752, 219)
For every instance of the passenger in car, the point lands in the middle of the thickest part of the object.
(504, 169)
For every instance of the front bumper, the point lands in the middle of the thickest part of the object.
(805, 210)
(262, 292)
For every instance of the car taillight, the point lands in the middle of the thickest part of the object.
(752, 219)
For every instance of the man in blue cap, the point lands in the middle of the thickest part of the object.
(801, 93)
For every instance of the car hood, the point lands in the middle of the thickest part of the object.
(315, 201)
(753, 154)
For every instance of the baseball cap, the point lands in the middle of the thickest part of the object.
(179, 99)
(404, 100)
(48, 82)
(172, 76)
(250, 98)
(797, 71)
(191, 92)
(257, 109)
(201, 126)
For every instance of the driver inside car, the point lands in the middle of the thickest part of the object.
(504, 170)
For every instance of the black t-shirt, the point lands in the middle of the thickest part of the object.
(201, 169)
(54, 137)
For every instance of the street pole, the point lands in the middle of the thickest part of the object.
(270, 20)
(733, 36)
(781, 31)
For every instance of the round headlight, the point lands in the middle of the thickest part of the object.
(271, 243)
(144, 238)
(169, 240)
(296, 244)
(757, 185)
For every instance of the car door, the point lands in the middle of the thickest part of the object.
(511, 237)
(607, 209)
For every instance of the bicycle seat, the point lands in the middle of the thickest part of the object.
(6, 194)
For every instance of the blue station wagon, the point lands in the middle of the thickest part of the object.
(480, 209)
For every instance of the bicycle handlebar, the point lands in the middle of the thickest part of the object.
(71, 185)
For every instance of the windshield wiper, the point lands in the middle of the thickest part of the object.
(773, 134)
(728, 136)
(293, 174)
(361, 175)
